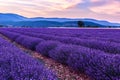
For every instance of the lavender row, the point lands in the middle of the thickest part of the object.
(106, 46)
(17, 65)
(94, 63)
(110, 39)
(26, 41)
(103, 35)
(75, 32)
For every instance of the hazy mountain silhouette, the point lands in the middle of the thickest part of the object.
(18, 20)
(11, 17)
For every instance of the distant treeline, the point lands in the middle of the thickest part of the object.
(82, 25)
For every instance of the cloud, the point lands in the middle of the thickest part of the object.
(83, 10)
(109, 7)
(41, 7)
(94, 1)
(44, 4)
(62, 4)
(99, 9)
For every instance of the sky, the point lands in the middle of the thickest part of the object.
(97, 9)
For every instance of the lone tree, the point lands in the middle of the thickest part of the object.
(81, 24)
(109, 26)
(1, 25)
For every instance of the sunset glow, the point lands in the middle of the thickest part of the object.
(97, 9)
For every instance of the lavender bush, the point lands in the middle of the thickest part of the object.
(29, 42)
(95, 52)
(44, 47)
(62, 52)
(17, 65)
(10, 35)
(107, 46)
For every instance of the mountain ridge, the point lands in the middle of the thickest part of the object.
(6, 18)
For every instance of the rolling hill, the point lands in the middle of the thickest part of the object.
(21, 21)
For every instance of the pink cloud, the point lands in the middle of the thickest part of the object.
(94, 1)
(99, 9)
(111, 7)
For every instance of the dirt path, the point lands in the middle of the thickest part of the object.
(62, 71)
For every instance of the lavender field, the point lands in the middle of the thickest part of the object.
(93, 52)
